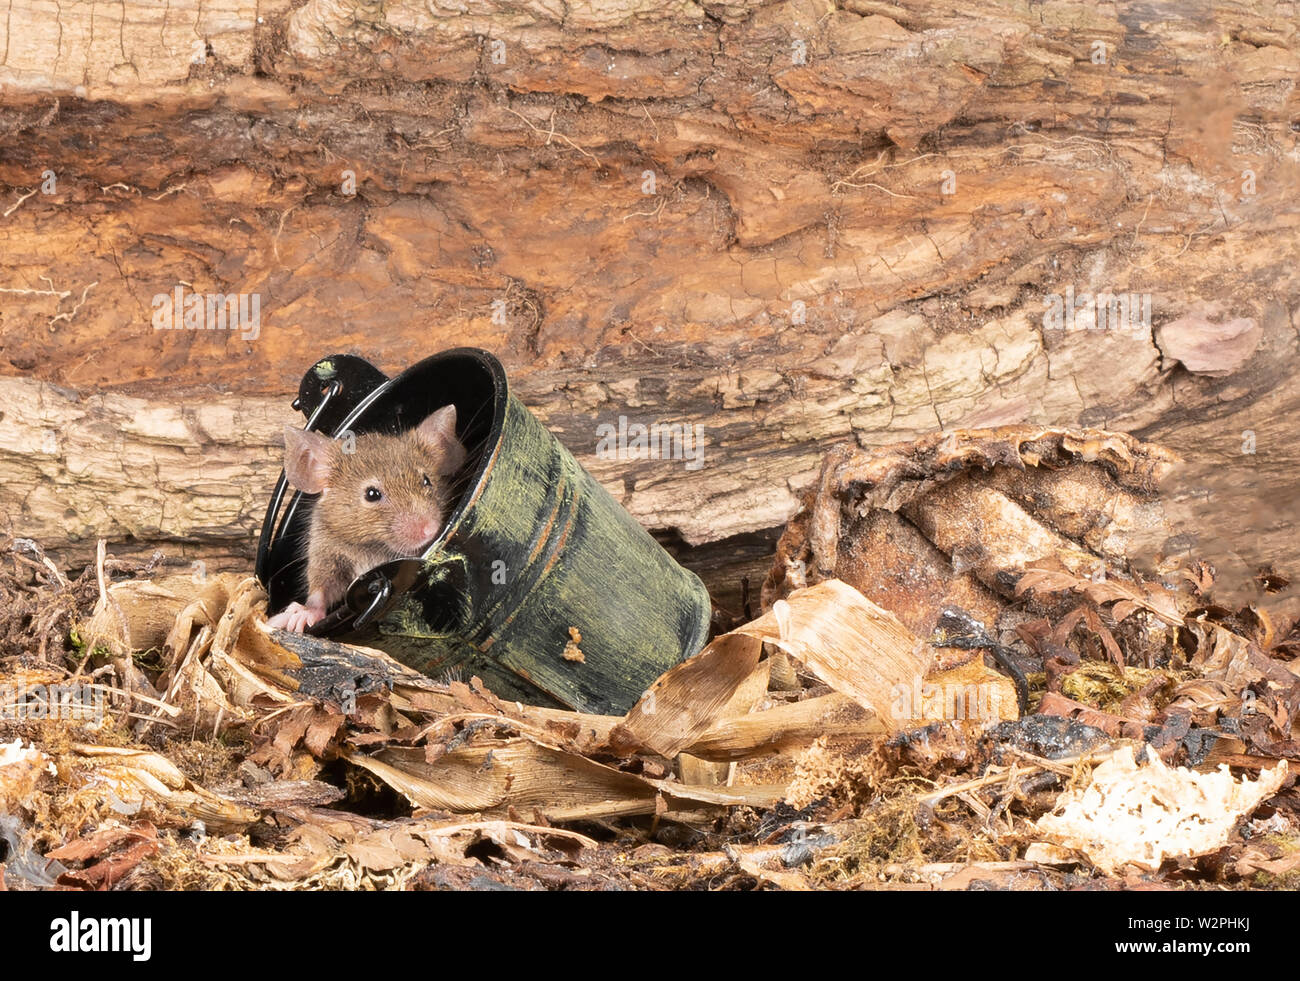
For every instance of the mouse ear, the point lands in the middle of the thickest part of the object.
(308, 458)
(438, 432)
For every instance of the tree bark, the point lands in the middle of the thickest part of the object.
(794, 224)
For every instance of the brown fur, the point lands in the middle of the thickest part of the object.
(350, 535)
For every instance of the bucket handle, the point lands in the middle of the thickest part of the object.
(282, 485)
(374, 591)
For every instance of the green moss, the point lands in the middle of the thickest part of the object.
(1104, 686)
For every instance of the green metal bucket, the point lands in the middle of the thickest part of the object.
(534, 551)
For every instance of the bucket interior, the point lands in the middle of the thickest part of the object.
(472, 380)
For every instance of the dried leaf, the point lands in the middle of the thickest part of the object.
(838, 634)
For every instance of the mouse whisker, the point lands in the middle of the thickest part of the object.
(482, 408)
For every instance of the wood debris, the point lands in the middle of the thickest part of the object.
(834, 741)
(1132, 814)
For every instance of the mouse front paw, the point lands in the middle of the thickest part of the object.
(296, 618)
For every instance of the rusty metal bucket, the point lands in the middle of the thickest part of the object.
(534, 551)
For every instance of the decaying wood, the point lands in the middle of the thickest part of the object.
(859, 217)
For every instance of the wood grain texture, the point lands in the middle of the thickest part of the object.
(800, 153)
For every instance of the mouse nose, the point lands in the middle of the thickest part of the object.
(415, 531)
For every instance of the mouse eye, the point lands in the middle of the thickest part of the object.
(425, 478)
(374, 494)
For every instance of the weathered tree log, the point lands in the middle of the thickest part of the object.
(791, 223)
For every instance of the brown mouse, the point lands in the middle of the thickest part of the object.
(385, 500)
